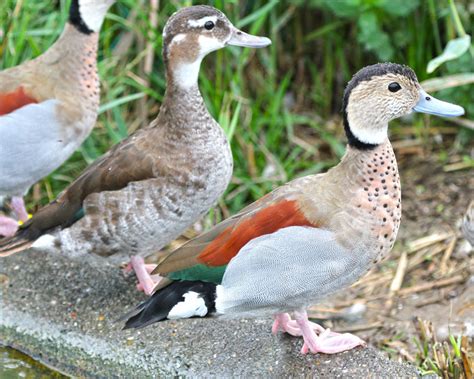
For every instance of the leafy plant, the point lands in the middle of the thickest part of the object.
(371, 18)
(450, 360)
(455, 47)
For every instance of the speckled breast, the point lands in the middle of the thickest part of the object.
(379, 201)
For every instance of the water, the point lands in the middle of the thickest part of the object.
(14, 364)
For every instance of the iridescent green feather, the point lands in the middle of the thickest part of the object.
(200, 272)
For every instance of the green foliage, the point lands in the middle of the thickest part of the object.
(372, 36)
(371, 18)
(274, 103)
(443, 359)
(456, 47)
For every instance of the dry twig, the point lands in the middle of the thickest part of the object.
(447, 255)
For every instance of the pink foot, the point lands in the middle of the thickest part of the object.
(8, 226)
(18, 207)
(146, 282)
(148, 267)
(327, 342)
(284, 323)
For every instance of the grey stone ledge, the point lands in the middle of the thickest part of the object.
(63, 311)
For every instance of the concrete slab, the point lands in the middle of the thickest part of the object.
(62, 312)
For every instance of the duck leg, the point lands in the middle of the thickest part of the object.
(18, 207)
(327, 342)
(284, 323)
(9, 225)
(146, 282)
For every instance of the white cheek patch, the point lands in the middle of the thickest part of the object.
(178, 38)
(209, 44)
(202, 21)
(193, 305)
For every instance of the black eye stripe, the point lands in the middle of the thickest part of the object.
(209, 25)
(394, 87)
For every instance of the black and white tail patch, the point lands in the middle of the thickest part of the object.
(181, 299)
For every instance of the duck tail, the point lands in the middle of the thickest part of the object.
(22, 240)
(15, 244)
(181, 299)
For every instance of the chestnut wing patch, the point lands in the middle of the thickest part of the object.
(268, 220)
(14, 100)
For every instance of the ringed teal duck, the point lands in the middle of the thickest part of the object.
(48, 106)
(309, 238)
(152, 186)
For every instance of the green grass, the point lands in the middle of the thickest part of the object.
(450, 360)
(277, 104)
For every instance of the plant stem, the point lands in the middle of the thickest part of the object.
(457, 20)
(437, 38)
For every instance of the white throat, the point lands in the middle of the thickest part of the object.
(374, 135)
(93, 12)
(367, 123)
(186, 74)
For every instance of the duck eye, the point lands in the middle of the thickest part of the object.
(209, 25)
(394, 87)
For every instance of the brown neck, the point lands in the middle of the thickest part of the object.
(183, 107)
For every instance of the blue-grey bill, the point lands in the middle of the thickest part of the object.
(239, 38)
(429, 104)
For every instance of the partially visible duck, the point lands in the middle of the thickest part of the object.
(308, 239)
(152, 186)
(468, 224)
(48, 106)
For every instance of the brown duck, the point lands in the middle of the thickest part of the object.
(308, 239)
(48, 106)
(152, 186)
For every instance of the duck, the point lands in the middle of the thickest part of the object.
(48, 107)
(307, 239)
(467, 226)
(151, 187)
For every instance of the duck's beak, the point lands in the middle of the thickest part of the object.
(240, 38)
(429, 104)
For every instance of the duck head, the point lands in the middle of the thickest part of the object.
(88, 15)
(192, 33)
(383, 92)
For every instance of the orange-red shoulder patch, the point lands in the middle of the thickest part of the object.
(270, 219)
(13, 100)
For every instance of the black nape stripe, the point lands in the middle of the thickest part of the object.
(352, 140)
(76, 19)
(365, 74)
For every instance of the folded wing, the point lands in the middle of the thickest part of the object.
(217, 247)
